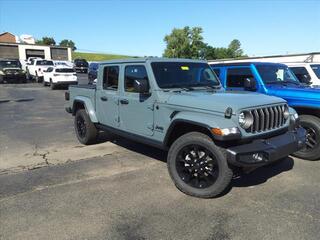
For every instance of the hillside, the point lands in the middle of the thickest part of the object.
(97, 56)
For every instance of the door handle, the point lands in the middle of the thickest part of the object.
(124, 101)
(104, 99)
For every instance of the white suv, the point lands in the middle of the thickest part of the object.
(61, 75)
(308, 73)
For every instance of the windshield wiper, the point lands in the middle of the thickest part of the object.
(182, 87)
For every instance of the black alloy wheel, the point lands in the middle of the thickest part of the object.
(197, 166)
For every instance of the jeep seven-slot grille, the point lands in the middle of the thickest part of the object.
(267, 118)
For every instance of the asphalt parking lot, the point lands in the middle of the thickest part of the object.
(51, 187)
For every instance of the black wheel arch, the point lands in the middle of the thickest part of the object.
(178, 127)
(78, 104)
(302, 110)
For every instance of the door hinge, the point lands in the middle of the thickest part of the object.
(117, 119)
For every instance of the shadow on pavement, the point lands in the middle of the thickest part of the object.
(262, 174)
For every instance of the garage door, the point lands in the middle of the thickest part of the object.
(59, 53)
(9, 52)
(34, 53)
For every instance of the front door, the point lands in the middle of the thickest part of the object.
(136, 110)
(108, 97)
(236, 76)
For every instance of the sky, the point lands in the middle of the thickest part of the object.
(137, 28)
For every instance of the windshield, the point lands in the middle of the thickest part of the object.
(64, 70)
(44, 62)
(183, 74)
(10, 64)
(276, 74)
(316, 69)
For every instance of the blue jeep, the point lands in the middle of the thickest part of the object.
(277, 80)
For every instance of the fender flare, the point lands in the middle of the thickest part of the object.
(88, 107)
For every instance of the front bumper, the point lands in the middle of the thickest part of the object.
(81, 69)
(264, 151)
(13, 78)
(65, 83)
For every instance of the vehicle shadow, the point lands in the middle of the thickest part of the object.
(260, 175)
(256, 177)
(137, 147)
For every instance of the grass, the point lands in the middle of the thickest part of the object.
(98, 56)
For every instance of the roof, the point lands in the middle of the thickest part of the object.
(41, 45)
(244, 64)
(271, 56)
(7, 33)
(152, 59)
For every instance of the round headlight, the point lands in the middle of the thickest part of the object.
(245, 119)
(286, 113)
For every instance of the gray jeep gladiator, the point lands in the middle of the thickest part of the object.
(179, 105)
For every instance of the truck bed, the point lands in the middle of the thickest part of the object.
(83, 92)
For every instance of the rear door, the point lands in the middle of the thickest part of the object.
(108, 96)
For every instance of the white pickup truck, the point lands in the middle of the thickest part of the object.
(36, 67)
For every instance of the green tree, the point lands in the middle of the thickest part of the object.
(68, 43)
(235, 48)
(47, 41)
(185, 43)
(188, 43)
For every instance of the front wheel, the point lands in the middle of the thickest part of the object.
(197, 166)
(85, 129)
(312, 149)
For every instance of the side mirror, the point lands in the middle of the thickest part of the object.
(250, 84)
(141, 86)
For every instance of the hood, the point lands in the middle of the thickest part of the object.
(292, 92)
(220, 101)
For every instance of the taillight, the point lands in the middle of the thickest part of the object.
(74, 74)
(55, 74)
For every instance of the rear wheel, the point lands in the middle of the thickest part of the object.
(312, 149)
(198, 167)
(85, 129)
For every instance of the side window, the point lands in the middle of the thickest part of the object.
(236, 76)
(301, 73)
(217, 71)
(110, 77)
(134, 72)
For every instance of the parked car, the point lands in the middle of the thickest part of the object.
(179, 105)
(11, 72)
(81, 65)
(308, 73)
(59, 76)
(277, 79)
(92, 71)
(62, 63)
(36, 68)
(25, 63)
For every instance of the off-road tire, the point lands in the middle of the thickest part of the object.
(224, 175)
(91, 131)
(309, 121)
